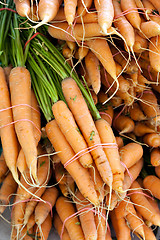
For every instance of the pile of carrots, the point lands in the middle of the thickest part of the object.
(80, 122)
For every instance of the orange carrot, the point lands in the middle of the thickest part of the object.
(20, 88)
(83, 6)
(155, 157)
(86, 217)
(23, 7)
(157, 170)
(66, 212)
(82, 115)
(150, 29)
(42, 209)
(31, 222)
(152, 183)
(132, 14)
(7, 133)
(74, 168)
(136, 113)
(154, 51)
(105, 13)
(92, 67)
(43, 231)
(8, 188)
(70, 10)
(69, 128)
(119, 141)
(58, 226)
(81, 53)
(107, 137)
(152, 139)
(142, 205)
(141, 44)
(100, 221)
(124, 124)
(3, 167)
(141, 129)
(155, 4)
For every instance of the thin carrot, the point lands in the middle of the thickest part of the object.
(42, 232)
(3, 167)
(66, 212)
(107, 136)
(157, 171)
(92, 67)
(154, 47)
(69, 128)
(119, 141)
(20, 88)
(101, 225)
(152, 183)
(82, 115)
(66, 153)
(58, 226)
(141, 44)
(70, 10)
(83, 6)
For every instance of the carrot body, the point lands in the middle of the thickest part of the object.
(136, 113)
(154, 47)
(45, 228)
(107, 136)
(155, 157)
(20, 88)
(23, 7)
(155, 4)
(65, 211)
(100, 221)
(58, 225)
(140, 43)
(66, 153)
(152, 183)
(42, 209)
(124, 124)
(83, 6)
(3, 167)
(86, 217)
(150, 29)
(69, 128)
(7, 133)
(157, 170)
(152, 139)
(141, 129)
(70, 10)
(82, 115)
(105, 13)
(132, 14)
(92, 67)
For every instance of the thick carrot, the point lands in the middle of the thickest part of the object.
(142, 205)
(8, 188)
(82, 115)
(20, 88)
(42, 209)
(123, 25)
(152, 183)
(123, 124)
(154, 52)
(105, 13)
(141, 129)
(7, 131)
(43, 231)
(150, 29)
(70, 10)
(69, 128)
(132, 14)
(66, 212)
(130, 154)
(92, 67)
(107, 137)
(58, 226)
(66, 153)
(3, 167)
(23, 7)
(86, 217)
(136, 113)
(81, 53)
(152, 140)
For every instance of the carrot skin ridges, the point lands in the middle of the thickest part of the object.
(82, 115)
(74, 168)
(20, 88)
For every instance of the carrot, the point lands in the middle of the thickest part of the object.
(111, 204)
(8, 135)
(58, 226)
(107, 136)
(141, 44)
(100, 221)
(7, 71)
(70, 10)
(69, 128)
(74, 168)
(136, 113)
(60, 173)
(119, 141)
(66, 212)
(141, 129)
(72, 46)
(150, 29)
(107, 114)
(123, 124)
(47, 10)
(155, 157)
(142, 205)
(3, 167)
(131, 13)
(123, 25)
(66, 52)
(82, 115)
(121, 228)
(126, 210)
(152, 140)
(42, 209)
(148, 7)
(152, 183)
(86, 217)
(31, 222)
(33, 15)
(8, 188)
(80, 32)
(87, 18)
(105, 13)
(92, 67)
(155, 4)
(154, 47)
(149, 105)
(83, 6)
(19, 80)
(81, 53)
(44, 229)
(157, 171)
(23, 7)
